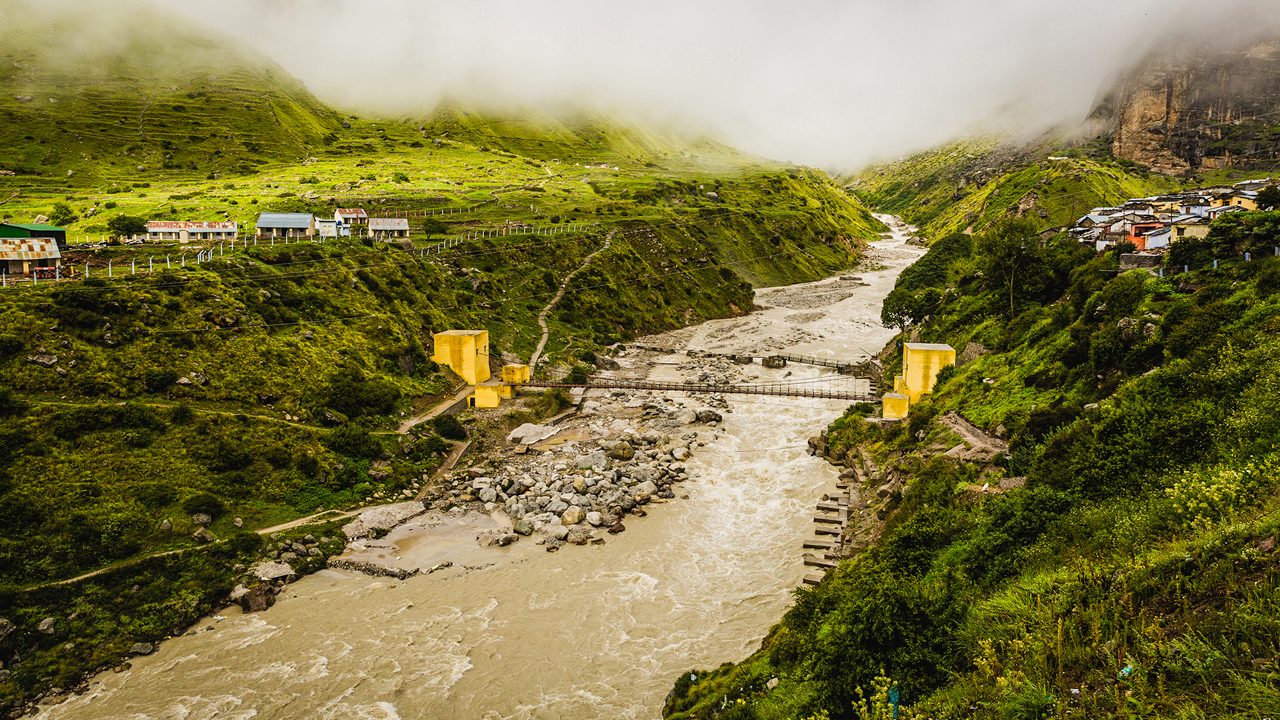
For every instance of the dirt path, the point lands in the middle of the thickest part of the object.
(982, 446)
(564, 287)
(435, 411)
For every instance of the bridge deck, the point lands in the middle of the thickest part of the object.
(774, 390)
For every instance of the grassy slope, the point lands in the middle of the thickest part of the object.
(263, 385)
(1134, 576)
(969, 186)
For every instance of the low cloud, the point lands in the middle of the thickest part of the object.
(835, 83)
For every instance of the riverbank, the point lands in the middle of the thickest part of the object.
(597, 630)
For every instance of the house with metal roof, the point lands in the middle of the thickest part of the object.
(184, 231)
(388, 228)
(351, 217)
(34, 230)
(285, 225)
(21, 256)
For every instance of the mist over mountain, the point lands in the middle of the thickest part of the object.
(836, 84)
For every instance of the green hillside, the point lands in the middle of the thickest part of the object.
(1112, 555)
(81, 99)
(968, 186)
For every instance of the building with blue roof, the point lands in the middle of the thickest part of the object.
(285, 225)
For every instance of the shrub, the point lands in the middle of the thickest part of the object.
(352, 394)
(204, 503)
(354, 442)
(449, 427)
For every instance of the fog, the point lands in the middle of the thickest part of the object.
(834, 83)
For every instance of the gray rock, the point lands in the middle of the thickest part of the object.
(7, 632)
(557, 532)
(557, 506)
(523, 527)
(709, 416)
(258, 598)
(203, 535)
(488, 495)
(142, 648)
(622, 450)
(43, 360)
(166, 526)
(238, 592)
(271, 571)
(595, 519)
(501, 538)
(680, 454)
(46, 626)
(201, 519)
(238, 522)
(530, 433)
(579, 536)
(594, 460)
(646, 488)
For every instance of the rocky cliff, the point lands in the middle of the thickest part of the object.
(1187, 108)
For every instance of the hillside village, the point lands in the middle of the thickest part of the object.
(1152, 224)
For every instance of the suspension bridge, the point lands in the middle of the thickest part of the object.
(842, 367)
(773, 389)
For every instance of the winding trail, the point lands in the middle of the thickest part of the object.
(564, 287)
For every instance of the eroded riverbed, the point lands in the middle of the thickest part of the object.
(587, 632)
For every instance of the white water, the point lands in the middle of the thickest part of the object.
(588, 632)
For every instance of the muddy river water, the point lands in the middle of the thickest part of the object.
(587, 632)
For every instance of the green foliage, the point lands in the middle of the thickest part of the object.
(204, 503)
(123, 226)
(449, 427)
(354, 442)
(1269, 198)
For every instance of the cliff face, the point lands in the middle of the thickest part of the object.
(1183, 110)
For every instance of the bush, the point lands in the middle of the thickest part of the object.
(352, 394)
(204, 503)
(354, 442)
(449, 427)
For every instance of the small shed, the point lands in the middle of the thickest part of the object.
(286, 225)
(34, 230)
(388, 228)
(328, 227)
(21, 256)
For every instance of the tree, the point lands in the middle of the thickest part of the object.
(1269, 198)
(124, 226)
(1008, 249)
(62, 214)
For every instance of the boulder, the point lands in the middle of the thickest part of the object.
(46, 626)
(166, 526)
(680, 454)
(556, 532)
(709, 416)
(43, 360)
(645, 488)
(238, 522)
(579, 536)
(523, 527)
(616, 528)
(142, 648)
(595, 519)
(203, 535)
(530, 433)
(201, 519)
(501, 538)
(595, 460)
(622, 450)
(488, 495)
(272, 571)
(573, 516)
(258, 598)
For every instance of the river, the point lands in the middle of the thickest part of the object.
(587, 632)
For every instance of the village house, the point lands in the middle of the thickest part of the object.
(286, 225)
(388, 228)
(350, 219)
(185, 231)
(21, 256)
(34, 230)
(328, 228)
